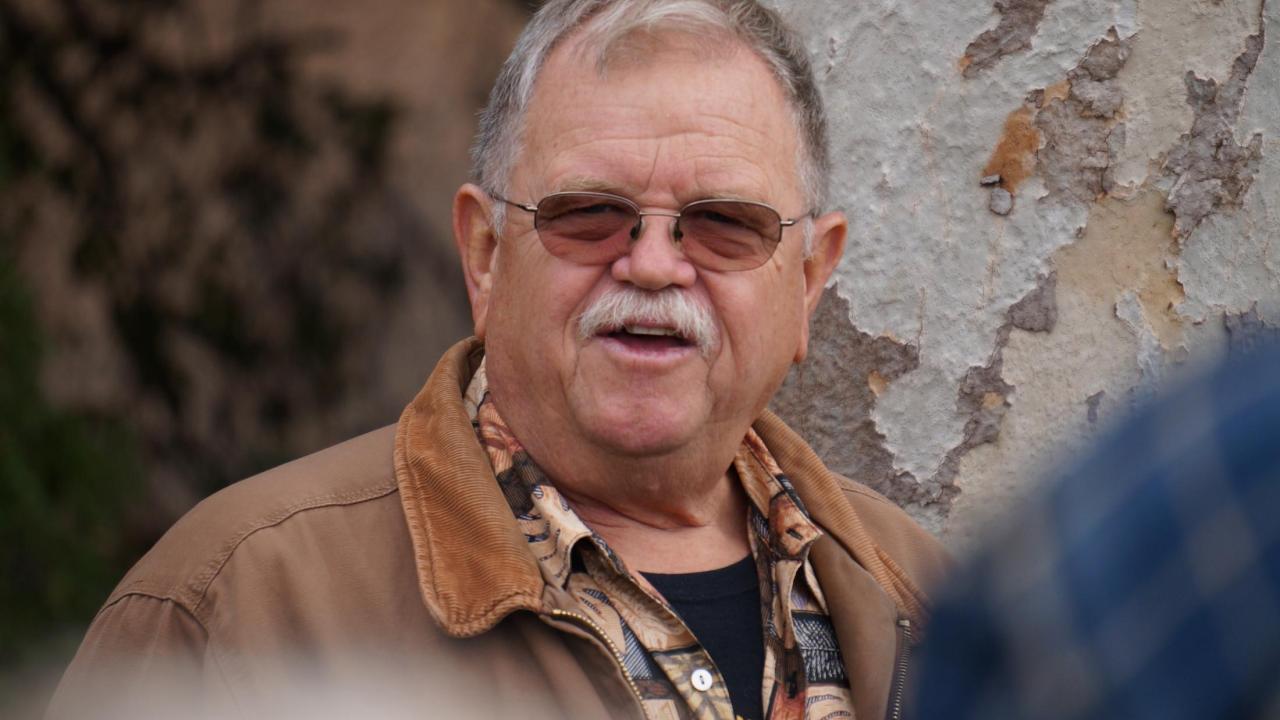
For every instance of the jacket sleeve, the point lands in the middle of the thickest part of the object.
(143, 657)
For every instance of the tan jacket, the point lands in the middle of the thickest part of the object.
(301, 591)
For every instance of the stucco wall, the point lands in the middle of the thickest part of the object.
(1055, 205)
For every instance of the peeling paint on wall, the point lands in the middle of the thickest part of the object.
(1038, 311)
(1014, 158)
(1231, 260)
(1081, 130)
(1019, 20)
(1208, 167)
(1093, 402)
(828, 398)
(1246, 330)
(1056, 205)
(1087, 358)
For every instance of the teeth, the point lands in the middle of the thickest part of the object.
(640, 330)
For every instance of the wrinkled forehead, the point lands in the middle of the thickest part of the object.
(735, 97)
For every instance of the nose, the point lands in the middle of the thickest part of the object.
(655, 260)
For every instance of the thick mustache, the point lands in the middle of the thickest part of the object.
(675, 309)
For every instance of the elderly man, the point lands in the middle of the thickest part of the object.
(587, 511)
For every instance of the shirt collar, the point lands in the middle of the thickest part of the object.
(553, 529)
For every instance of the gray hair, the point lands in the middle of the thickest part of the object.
(497, 144)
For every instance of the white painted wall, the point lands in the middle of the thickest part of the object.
(960, 352)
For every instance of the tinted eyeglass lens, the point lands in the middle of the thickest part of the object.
(585, 228)
(729, 234)
(722, 235)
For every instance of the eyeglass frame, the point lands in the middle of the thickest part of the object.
(676, 233)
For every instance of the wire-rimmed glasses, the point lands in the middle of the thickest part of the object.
(592, 228)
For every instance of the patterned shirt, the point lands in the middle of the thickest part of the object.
(804, 675)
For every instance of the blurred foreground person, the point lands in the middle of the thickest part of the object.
(587, 511)
(1144, 583)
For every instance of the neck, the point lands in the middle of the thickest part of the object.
(670, 512)
(699, 533)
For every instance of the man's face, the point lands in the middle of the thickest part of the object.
(665, 128)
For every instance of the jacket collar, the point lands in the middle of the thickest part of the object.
(474, 567)
(473, 564)
(820, 490)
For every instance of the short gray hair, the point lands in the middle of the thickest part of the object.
(497, 144)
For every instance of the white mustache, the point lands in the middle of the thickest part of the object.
(675, 309)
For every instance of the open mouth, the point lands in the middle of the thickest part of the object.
(643, 337)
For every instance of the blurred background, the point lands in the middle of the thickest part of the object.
(224, 243)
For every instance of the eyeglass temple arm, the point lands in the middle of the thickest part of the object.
(811, 215)
(523, 206)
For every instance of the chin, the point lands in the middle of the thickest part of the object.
(642, 435)
(640, 418)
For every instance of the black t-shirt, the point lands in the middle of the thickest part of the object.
(722, 608)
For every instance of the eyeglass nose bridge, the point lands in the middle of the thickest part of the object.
(676, 233)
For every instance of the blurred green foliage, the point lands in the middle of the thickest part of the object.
(216, 202)
(65, 481)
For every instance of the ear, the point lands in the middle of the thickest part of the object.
(477, 243)
(829, 233)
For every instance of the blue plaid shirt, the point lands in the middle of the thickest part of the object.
(1143, 583)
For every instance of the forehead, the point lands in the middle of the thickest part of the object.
(669, 114)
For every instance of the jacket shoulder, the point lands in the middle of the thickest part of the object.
(183, 563)
(915, 550)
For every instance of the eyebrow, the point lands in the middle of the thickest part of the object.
(591, 184)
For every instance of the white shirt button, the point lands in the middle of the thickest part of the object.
(701, 680)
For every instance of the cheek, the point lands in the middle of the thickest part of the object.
(537, 299)
(762, 326)
(761, 316)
